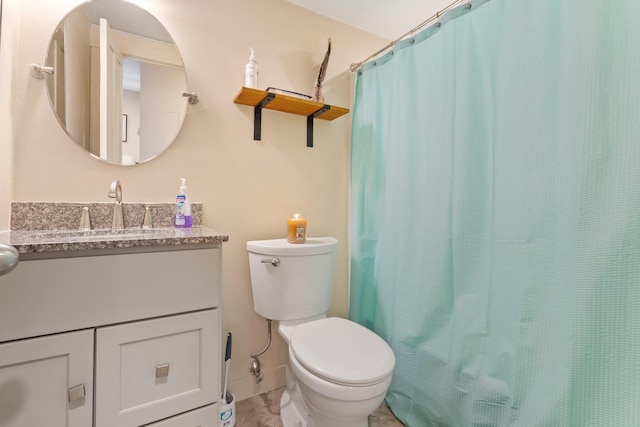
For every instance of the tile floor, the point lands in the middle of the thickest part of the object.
(264, 411)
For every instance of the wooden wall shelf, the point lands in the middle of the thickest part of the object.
(260, 99)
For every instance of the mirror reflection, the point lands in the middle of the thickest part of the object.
(117, 82)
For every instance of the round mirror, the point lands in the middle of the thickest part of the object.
(117, 83)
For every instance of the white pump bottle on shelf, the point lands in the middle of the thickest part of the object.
(251, 72)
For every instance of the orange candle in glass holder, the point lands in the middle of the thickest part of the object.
(296, 228)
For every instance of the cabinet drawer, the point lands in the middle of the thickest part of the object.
(150, 370)
(203, 417)
(85, 292)
(36, 376)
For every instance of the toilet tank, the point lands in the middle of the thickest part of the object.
(300, 285)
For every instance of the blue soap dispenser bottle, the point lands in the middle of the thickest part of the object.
(183, 207)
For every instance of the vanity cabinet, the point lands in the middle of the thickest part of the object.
(145, 325)
(47, 381)
(154, 369)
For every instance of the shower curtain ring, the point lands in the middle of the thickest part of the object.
(438, 23)
(412, 35)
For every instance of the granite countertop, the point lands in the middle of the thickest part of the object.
(52, 228)
(40, 241)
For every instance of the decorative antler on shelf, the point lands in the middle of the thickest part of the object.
(317, 94)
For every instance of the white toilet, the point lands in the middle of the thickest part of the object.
(338, 371)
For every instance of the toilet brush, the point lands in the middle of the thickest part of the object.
(227, 361)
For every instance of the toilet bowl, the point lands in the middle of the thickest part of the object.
(338, 371)
(342, 371)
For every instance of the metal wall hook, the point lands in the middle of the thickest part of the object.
(193, 97)
(37, 71)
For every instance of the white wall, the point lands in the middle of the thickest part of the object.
(9, 28)
(247, 187)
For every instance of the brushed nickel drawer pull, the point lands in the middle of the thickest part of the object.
(162, 371)
(76, 393)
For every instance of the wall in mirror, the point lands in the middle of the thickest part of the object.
(113, 59)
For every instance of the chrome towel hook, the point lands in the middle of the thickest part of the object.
(38, 71)
(193, 97)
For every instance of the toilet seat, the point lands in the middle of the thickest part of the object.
(342, 352)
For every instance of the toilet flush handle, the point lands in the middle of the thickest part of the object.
(275, 261)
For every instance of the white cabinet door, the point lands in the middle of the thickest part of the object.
(150, 370)
(203, 417)
(47, 381)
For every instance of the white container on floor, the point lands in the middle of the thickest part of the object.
(228, 412)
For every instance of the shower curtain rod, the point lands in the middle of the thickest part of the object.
(356, 66)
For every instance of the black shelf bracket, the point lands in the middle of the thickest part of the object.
(257, 115)
(310, 123)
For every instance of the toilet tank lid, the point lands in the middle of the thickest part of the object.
(312, 246)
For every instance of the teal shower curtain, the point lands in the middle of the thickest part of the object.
(495, 178)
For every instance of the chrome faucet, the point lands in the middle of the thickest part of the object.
(115, 192)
